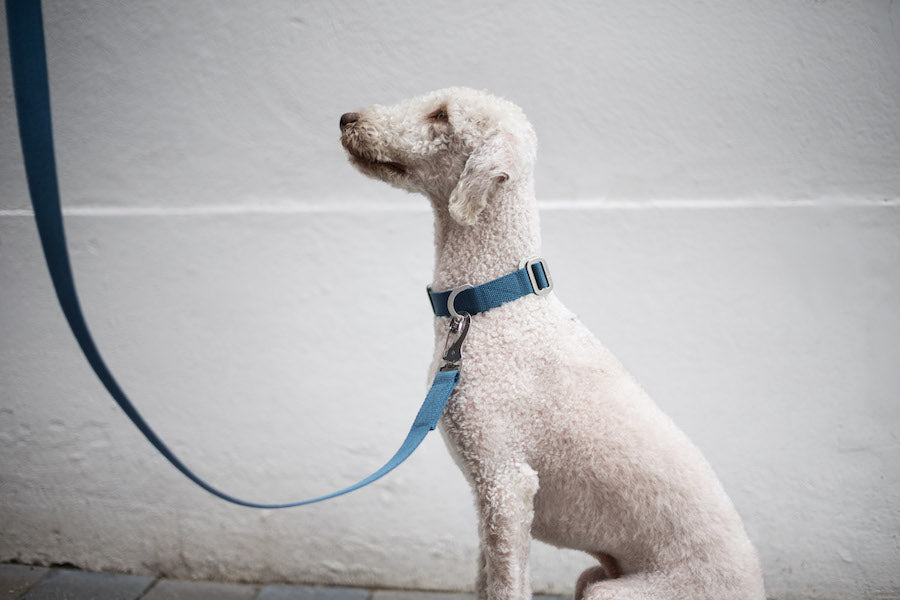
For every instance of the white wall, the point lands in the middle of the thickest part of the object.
(720, 187)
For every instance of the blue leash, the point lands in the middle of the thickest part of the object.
(32, 93)
(29, 66)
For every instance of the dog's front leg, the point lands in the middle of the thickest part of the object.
(481, 583)
(506, 509)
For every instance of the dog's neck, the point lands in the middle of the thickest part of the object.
(506, 232)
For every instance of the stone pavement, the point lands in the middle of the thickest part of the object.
(21, 582)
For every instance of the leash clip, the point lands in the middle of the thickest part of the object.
(459, 328)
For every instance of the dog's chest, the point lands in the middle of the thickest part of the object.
(516, 367)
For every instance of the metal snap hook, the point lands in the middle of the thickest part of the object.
(459, 327)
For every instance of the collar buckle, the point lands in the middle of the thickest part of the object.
(528, 264)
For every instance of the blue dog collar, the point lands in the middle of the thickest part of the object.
(533, 277)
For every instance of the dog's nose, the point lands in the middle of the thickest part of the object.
(347, 119)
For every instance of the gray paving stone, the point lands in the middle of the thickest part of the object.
(81, 585)
(302, 592)
(414, 595)
(173, 589)
(16, 579)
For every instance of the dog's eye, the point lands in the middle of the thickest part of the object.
(439, 115)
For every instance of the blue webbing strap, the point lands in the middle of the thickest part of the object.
(492, 294)
(29, 68)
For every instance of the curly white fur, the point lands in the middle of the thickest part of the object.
(557, 440)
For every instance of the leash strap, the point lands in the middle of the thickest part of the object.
(32, 93)
(533, 277)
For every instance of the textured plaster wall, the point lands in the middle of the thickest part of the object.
(720, 195)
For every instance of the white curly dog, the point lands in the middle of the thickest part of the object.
(557, 440)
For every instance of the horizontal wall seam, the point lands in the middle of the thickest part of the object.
(544, 206)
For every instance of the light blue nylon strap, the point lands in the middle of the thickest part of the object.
(30, 82)
(426, 420)
(436, 399)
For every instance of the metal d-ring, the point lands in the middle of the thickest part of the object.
(451, 300)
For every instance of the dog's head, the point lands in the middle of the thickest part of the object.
(457, 146)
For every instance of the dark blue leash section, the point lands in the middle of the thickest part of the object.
(32, 93)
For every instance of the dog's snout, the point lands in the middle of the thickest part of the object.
(348, 118)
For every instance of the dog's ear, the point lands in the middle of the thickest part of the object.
(487, 168)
